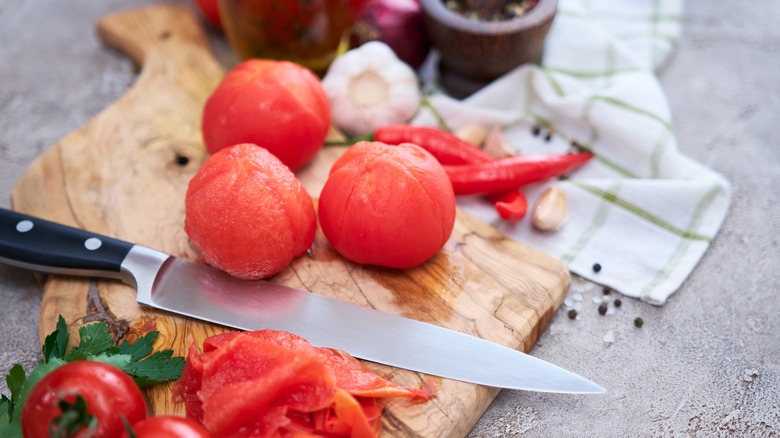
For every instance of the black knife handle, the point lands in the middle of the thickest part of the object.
(37, 244)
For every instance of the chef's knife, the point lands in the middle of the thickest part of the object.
(199, 291)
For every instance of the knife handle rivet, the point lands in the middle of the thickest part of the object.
(24, 226)
(92, 243)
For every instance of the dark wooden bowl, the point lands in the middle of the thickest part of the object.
(474, 52)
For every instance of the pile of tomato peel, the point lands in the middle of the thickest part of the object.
(269, 383)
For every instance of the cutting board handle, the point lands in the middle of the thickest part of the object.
(152, 31)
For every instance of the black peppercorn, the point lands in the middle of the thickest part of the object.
(182, 160)
(572, 314)
(596, 267)
(638, 322)
(606, 290)
(535, 130)
(547, 137)
(618, 302)
(602, 309)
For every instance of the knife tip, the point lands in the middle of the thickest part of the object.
(593, 388)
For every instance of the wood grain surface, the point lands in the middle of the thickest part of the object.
(125, 172)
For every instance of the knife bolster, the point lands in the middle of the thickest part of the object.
(141, 268)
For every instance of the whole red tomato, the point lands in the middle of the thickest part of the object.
(168, 426)
(247, 213)
(278, 105)
(210, 11)
(108, 392)
(390, 206)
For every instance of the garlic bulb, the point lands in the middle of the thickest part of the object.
(369, 87)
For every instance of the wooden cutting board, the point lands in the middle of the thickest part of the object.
(124, 174)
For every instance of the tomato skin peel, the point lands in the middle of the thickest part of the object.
(271, 383)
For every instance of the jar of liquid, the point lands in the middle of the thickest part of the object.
(309, 32)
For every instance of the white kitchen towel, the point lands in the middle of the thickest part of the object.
(641, 210)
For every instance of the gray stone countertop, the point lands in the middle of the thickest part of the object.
(707, 363)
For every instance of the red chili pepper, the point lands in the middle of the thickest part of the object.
(448, 149)
(511, 205)
(511, 172)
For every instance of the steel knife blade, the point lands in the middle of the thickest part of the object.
(198, 291)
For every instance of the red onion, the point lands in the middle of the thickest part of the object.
(397, 23)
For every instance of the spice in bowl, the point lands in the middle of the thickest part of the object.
(490, 10)
(474, 51)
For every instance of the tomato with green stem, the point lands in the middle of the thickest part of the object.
(80, 399)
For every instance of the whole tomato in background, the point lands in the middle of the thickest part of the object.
(108, 392)
(278, 105)
(390, 206)
(209, 9)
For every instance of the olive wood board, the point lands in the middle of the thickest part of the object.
(125, 172)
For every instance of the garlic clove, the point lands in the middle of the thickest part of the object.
(473, 133)
(496, 143)
(550, 210)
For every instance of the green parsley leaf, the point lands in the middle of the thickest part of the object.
(37, 374)
(157, 368)
(139, 349)
(5, 414)
(56, 342)
(15, 380)
(93, 339)
(15, 424)
(8, 429)
(117, 360)
(5, 406)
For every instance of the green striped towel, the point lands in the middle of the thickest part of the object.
(641, 209)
